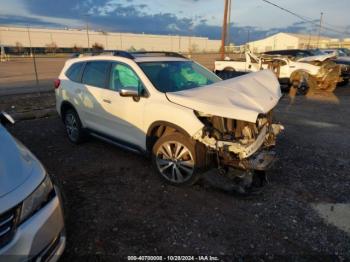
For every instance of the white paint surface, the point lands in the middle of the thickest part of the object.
(241, 98)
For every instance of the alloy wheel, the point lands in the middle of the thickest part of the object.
(72, 127)
(175, 162)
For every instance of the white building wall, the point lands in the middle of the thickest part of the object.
(283, 41)
(279, 41)
(9, 36)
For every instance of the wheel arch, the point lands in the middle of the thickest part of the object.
(159, 128)
(298, 72)
(229, 68)
(65, 106)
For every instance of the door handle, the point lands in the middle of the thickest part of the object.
(107, 101)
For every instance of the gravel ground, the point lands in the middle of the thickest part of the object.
(116, 206)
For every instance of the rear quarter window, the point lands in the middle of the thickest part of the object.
(74, 72)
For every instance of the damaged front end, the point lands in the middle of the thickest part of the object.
(327, 78)
(237, 132)
(241, 148)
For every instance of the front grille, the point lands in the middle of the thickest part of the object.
(8, 222)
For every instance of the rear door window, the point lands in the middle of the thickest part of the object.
(95, 73)
(73, 73)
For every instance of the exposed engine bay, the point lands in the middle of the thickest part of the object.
(243, 150)
(237, 140)
(236, 132)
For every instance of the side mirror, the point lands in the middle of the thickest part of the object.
(5, 119)
(129, 93)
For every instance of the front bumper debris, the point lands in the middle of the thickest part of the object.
(260, 161)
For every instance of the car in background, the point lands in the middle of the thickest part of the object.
(300, 54)
(295, 53)
(31, 214)
(339, 52)
(296, 75)
(174, 110)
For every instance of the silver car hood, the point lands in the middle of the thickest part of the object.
(17, 163)
(241, 98)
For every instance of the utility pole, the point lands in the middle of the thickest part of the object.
(228, 41)
(32, 52)
(319, 30)
(308, 44)
(87, 30)
(224, 31)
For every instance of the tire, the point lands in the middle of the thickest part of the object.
(301, 84)
(73, 126)
(343, 83)
(303, 88)
(176, 159)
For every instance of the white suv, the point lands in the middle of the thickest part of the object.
(173, 109)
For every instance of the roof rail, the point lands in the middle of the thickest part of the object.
(133, 55)
(158, 53)
(122, 53)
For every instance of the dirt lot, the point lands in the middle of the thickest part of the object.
(116, 206)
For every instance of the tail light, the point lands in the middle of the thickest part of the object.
(57, 83)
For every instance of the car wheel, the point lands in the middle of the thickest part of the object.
(175, 160)
(303, 88)
(301, 84)
(73, 126)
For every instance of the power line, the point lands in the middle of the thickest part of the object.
(306, 19)
(344, 28)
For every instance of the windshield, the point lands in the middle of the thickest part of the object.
(317, 52)
(345, 51)
(173, 76)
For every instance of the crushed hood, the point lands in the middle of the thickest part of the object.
(319, 58)
(241, 98)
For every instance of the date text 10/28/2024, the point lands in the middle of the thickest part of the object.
(173, 258)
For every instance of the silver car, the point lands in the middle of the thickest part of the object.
(31, 215)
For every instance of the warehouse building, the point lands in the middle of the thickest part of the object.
(283, 41)
(67, 39)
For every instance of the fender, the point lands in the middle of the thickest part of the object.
(155, 124)
(165, 123)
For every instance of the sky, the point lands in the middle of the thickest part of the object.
(250, 19)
